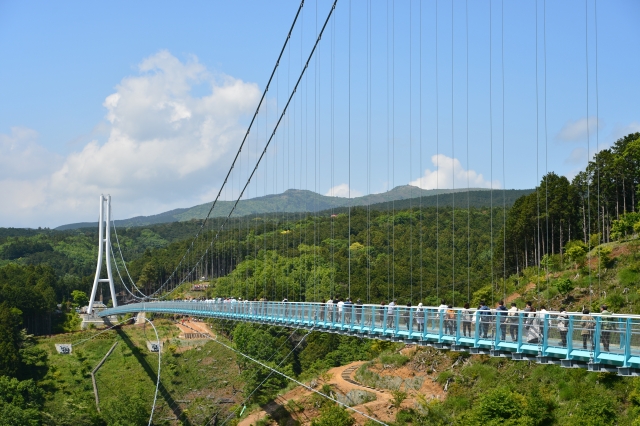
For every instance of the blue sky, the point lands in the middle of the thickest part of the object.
(148, 101)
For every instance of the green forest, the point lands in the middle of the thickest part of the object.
(591, 208)
(572, 243)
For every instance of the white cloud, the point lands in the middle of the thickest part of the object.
(22, 158)
(577, 157)
(575, 131)
(622, 130)
(165, 148)
(342, 190)
(449, 171)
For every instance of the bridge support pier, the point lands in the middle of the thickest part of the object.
(519, 356)
(104, 251)
(628, 371)
(570, 363)
(601, 368)
(500, 354)
(548, 360)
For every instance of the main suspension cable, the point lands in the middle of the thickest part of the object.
(421, 169)
(504, 179)
(253, 119)
(284, 111)
(466, 20)
(437, 165)
(453, 181)
(115, 231)
(122, 280)
(349, 157)
(491, 144)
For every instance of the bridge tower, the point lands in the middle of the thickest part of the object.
(104, 251)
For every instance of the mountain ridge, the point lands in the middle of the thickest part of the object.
(301, 200)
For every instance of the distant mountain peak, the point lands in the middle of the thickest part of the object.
(290, 201)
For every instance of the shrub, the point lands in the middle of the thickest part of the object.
(443, 377)
(405, 416)
(596, 411)
(332, 415)
(67, 322)
(577, 252)
(548, 262)
(503, 404)
(398, 397)
(626, 225)
(615, 301)
(326, 389)
(80, 298)
(551, 292)
(604, 257)
(628, 276)
(379, 346)
(564, 286)
(397, 360)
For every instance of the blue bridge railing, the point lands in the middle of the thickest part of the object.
(597, 342)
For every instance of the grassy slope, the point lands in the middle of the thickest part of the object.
(484, 390)
(571, 392)
(616, 284)
(192, 380)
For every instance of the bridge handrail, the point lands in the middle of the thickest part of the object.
(386, 306)
(565, 336)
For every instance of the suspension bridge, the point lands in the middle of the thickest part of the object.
(612, 343)
(305, 130)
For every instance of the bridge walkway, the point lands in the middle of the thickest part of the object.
(599, 343)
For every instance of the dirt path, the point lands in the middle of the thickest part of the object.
(341, 381)
(191, 327)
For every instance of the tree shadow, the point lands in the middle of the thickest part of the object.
(279, 413)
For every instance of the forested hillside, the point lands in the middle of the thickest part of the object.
(567, 243)
(304, 201)
(585, 209)
(379, 255)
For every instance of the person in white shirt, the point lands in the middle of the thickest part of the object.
(420, 316)
(340, 305)
(330, 309)
(543, 319)
(441, 312)
(466, 320)
(513, 321)
(390, 310)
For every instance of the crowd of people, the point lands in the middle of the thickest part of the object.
(486, 322)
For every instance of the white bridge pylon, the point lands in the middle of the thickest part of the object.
(104, 249)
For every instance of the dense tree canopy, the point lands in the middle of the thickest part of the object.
(594, 203)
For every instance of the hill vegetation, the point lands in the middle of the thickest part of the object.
(567, 243)
(304, 201)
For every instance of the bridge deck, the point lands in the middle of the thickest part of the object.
(599, 343)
